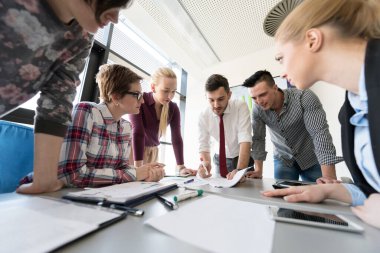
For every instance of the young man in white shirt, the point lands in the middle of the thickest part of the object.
(237, 129)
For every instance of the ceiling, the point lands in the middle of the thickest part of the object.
(232, 29)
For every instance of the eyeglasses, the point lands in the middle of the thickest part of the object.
(137, 95)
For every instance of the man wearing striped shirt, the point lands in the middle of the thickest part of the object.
(299, 131)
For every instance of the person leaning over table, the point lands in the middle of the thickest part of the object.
(155, 115)
(44, 46)
(340, 46)
(95, 151)
(237, 130)
(300, 134)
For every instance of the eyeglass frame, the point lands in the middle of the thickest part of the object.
(137, 95)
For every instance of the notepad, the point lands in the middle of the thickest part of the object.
(35, 224)
(129, 194)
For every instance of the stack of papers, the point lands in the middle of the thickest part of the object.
(219, 224)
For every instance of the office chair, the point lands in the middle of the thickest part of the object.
(16, 154)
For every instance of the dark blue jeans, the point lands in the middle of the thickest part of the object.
(283, 171)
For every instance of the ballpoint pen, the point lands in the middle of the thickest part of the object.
(130, 210)
(189, 181)
(167, 203)
(204, 166)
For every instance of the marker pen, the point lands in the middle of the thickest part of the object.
(187, 195)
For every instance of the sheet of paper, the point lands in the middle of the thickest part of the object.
(123, 192)
(221, 182)
(40, 225)
(219, 224)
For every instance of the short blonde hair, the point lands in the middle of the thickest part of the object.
(351, 18)
(115, 79)
(160, 73)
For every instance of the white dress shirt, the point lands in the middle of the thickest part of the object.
(237, 127)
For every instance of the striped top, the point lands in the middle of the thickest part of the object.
(299, 133)
(96, 149)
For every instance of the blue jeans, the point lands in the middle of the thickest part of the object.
(283, 171)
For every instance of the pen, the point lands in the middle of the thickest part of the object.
(130, 210)
(204, 166)
(189, 181)
(167, 203)
(187, 195)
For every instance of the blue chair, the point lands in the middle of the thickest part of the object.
(16, 154)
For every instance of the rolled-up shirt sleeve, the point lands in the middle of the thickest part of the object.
(258, 136)
(203, 133)
(357, 195)
(244, 124)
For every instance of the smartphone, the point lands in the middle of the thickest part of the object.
(316, 219)
(287, 183)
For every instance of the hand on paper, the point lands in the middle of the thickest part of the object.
(231, 175)
(204, 169)
(369, 212)
(254, 174)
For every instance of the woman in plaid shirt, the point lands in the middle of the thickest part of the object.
(96, 148)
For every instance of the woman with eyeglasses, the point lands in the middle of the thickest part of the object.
(155, 115)
(96, 149)
(339, 42)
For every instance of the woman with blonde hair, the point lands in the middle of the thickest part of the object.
(155, 115)
(339, 42)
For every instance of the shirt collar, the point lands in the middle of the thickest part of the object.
(107, 116)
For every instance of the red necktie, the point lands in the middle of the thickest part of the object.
(222, 149)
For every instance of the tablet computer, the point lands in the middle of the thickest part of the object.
(322, 220)
(287, 183)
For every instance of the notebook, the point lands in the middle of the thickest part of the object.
(129, 194)
(36, 224)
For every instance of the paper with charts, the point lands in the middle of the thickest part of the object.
(219, 224)
(221, 182)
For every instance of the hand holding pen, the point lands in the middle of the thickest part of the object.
(204, 169)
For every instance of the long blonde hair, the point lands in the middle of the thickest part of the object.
(351, 18)
(160, 73)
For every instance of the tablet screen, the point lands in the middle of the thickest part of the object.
(311, 216)
(314, 219)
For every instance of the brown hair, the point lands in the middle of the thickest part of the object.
(216, 81)
(103, 5)
(115, 79)
(351, 18)
(160, 73)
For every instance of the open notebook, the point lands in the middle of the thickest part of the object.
(129, 194)
(36, 224)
